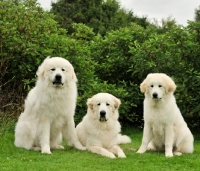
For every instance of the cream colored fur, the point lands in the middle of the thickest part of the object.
(49, 109)
(101, 135)
(164, 126)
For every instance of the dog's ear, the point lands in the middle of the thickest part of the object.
(90, 103)
(170, 84)
(41, 69)
(74, 78)
(143, 85)
(117, 102)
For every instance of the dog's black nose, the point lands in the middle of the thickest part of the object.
(103, 113)
(155, 95)
(58, 77)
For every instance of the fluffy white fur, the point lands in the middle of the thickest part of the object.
(99, 129)
(49, 109)
(164, 126)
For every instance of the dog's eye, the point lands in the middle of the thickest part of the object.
(107, 104)
(160, 86)
(53, 69)
(98, 104)
(63, 69)
(151, 85)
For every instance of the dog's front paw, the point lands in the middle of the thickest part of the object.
(82, 148)
(122, 155)
(168, 154)
(111, 155)
(46, 152)
(36, 148)
(79, 146)
(141, 150)
(150, 147)
(57, 147)
(177, 153)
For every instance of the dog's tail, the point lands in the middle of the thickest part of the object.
(123, 139)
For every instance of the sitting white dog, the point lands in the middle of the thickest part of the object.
(49, 109)
(164, 126)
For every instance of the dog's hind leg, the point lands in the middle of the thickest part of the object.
(35, 148)
(55, 140)
(184, 147)
(151, 146)
(24, 137)
(69, 133)
(184, 144)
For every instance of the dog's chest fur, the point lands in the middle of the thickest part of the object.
(105, 133)
(52, 103)
(158, 116)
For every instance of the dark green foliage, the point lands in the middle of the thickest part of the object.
(28, 35)
(118, 66)
(25, 39)
(115, 63)
(100, 15)
(165, 25)
(127, 55)
(197, 14)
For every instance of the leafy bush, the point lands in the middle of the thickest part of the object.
(127, 55)
(116, 63)
(25, 39)
(117, 66)
(28, 35)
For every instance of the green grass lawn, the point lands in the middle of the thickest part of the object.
(16, 159)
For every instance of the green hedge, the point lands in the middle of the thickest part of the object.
(116, 63)
(126, 56)
(28, 35)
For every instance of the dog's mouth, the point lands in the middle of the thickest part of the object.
(58, 80)
(57, 83)
(156, 98)
(103, 119)
(102, 116)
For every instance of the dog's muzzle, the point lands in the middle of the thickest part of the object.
(155, 96)
(58, 80)
(102, 116)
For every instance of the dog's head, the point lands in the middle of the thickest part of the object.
(103, 106)
(156, 85)
(56, 71)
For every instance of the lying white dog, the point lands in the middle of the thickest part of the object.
(49, 109)
(164, 126)
(99, 129)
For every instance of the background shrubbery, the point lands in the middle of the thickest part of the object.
(116, 62)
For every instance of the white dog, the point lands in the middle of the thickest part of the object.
(164, 126)
(99, 129)
(49, 109)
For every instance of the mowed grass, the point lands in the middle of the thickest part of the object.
(16, 159)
